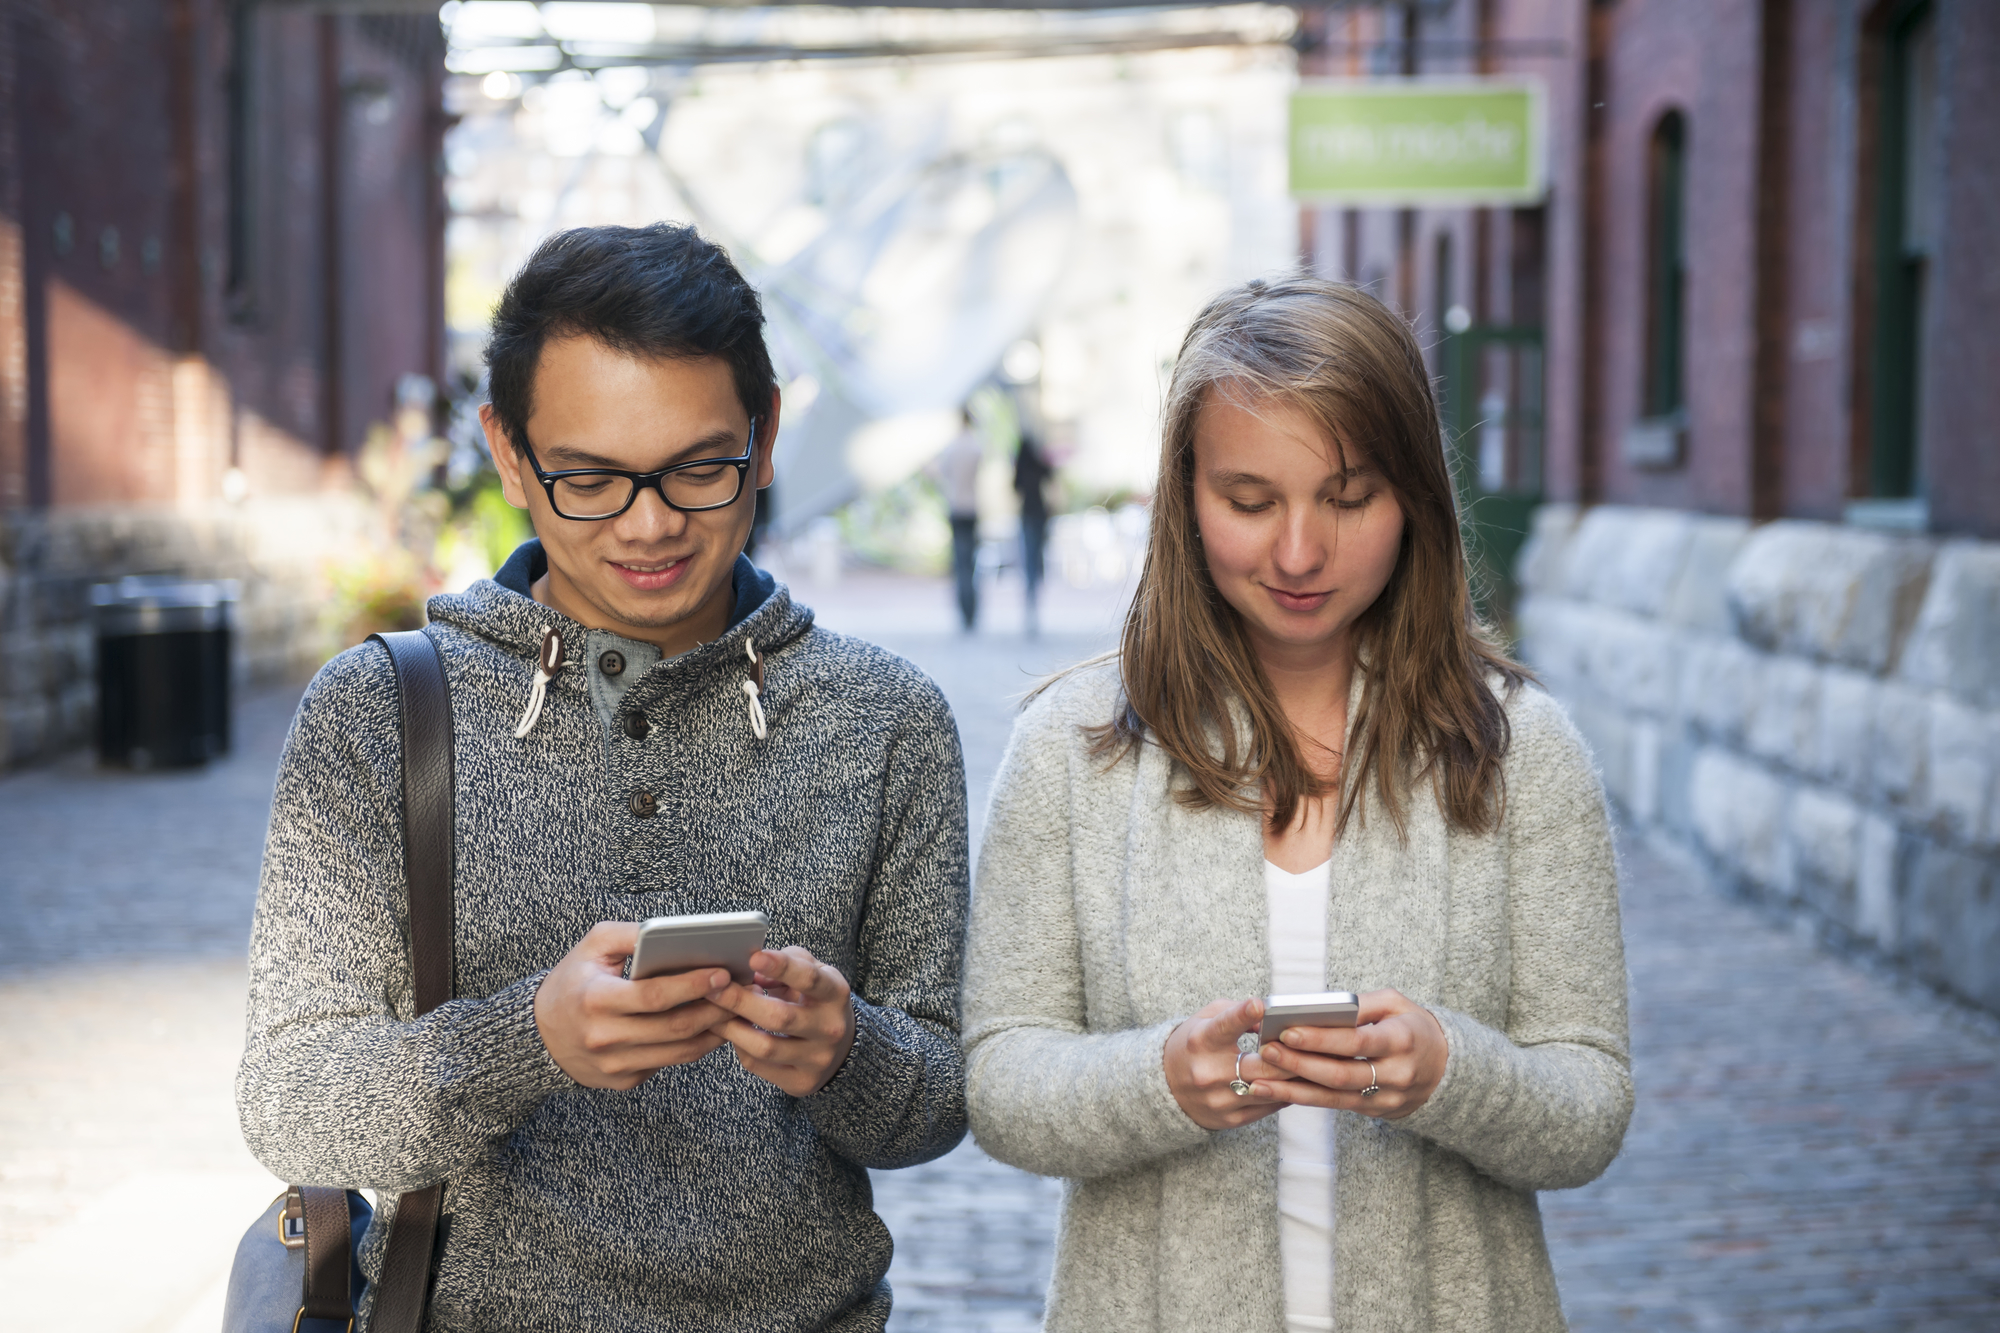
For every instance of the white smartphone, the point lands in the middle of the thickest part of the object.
(1331, 1009)
(709, 939)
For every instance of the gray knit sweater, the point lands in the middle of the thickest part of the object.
(705, 1198)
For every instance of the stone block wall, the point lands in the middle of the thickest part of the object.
(279, 548)
(1813, 710)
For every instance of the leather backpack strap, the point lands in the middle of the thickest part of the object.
(328, 1291)
(424, 698)
(425, 702)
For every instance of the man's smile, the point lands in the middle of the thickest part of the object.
(651, 575)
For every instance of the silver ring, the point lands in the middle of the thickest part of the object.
(1373, 1087)
(1237, 1085)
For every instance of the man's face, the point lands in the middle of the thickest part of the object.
(652, 573)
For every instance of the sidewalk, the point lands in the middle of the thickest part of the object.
(1815, 1147)
(127, 904)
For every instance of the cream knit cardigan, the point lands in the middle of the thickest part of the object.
(1105, 912)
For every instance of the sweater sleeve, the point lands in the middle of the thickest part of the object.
(900, 1097)
(340, 1083)
(1544, 1104)
(1046, 1094)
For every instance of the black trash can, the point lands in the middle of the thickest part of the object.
(163, 670)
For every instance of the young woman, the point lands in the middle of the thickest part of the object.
(1306, 770)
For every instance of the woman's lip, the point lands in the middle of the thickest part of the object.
(652, 580)
(1298, 601)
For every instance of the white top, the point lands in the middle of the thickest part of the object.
(958, 468)
(1305, 1133)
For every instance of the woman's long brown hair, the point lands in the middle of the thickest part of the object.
(1427, 711)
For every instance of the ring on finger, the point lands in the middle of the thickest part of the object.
(1237, 1085)
(1374, 1086)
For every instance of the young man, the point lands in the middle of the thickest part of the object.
(683, 1152)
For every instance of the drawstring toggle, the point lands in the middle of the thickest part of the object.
(548, 661)
(753, 690)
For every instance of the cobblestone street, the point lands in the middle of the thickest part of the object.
(1817, 1146)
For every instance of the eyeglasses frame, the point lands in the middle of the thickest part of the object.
(641, 481)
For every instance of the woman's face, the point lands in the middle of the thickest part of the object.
(1297, 553)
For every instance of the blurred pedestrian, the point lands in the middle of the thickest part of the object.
(1308, 769)
(958, 470)
(1031, 478)
(687, 1151)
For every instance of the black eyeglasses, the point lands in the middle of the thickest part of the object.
(588, 494)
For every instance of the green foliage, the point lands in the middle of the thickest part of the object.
(374, 593)
(905, 527)
(446, 520)
(482, 529)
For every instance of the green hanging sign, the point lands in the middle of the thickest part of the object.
(1419, 142)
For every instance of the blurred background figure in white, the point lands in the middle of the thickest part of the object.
(958, 474)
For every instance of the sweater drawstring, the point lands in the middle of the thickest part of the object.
(753, 689)
(548, 661)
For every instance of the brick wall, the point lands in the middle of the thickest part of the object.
(1811, 709)
(220, 249)
(1962, 346)
(1778, 102)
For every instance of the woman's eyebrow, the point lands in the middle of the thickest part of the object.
(1232, 478)
(1237, 479)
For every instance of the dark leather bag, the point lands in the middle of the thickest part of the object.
(296, 1267)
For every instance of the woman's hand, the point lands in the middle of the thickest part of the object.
(1200, 1062)
(1327, 1066)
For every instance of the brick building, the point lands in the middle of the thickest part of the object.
(1758, 459)
(221, 250)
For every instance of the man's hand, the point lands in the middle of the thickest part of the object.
(795, 1025)
(607, 1032)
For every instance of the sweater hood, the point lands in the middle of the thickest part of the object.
(501, 611)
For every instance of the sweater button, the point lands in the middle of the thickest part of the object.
(611, 662)
(636, 726)
(643, 804)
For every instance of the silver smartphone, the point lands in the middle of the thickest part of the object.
(1330, 1009)
(710, 939)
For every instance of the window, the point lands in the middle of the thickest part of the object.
(1657, 439)
(1905, 227)
(1666, 266)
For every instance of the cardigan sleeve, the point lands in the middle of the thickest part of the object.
(1544, 1104)
(1043, 1093)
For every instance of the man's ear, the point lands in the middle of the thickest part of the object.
(766, 441)
(507, 459)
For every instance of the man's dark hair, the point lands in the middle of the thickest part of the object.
(658, 291)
